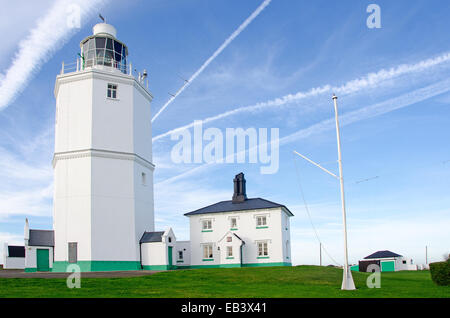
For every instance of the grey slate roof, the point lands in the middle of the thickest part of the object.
(229, 206)
(16, 251)
(41, 238)
(149, 237)
(382, 254)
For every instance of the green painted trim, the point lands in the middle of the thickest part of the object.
(233, 229)
(262, 227)
(30, 270)
(230, 257)
(180, 261)
(262, 257)
(98, 266)
(208, 259)
(266, 264)
(158, 267)
(234, 265)
(212, 266)
(207, 230)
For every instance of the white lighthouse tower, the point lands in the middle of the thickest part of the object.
(103, 170)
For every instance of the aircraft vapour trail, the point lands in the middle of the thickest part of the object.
(215, 54)
(370, 80)
(50, 33)
(363, 113)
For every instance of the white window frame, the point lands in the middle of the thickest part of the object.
(261, 217)
(263, 248)
(207, 222)
(229, 251)
(208, 252)
(180, 253)
(235, 223)
(111, 91)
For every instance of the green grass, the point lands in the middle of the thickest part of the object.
(299, 281)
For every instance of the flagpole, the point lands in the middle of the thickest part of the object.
(347, 279)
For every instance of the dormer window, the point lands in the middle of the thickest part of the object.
(112, 91)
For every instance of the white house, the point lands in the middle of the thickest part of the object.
(240, 232)
(387, 261)
(13, 256)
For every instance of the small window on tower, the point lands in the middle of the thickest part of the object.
(144, 178)
(112, 91)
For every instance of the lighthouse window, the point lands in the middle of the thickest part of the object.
(112, 91)
(144, 178)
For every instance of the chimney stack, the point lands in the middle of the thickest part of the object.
(240, 194)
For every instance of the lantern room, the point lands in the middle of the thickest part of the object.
(102, 48)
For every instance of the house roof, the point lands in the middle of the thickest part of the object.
(382, 254)
(229, 206)
(149, 237)
(41, 238)
(16, 251)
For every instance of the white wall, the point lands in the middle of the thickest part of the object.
(185, 247)
(31, 258)
(102, 147)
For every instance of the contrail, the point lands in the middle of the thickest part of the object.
(216, 53)
(51, 32)
(367, 112)
(370, 80)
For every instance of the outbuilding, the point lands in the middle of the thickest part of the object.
(387, 261)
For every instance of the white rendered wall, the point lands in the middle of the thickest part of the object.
(275, 235)
(154, 254)
(31, 256)
(14, 263)
(185, 247)
(102, 147)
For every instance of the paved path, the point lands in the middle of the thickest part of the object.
(19, 273)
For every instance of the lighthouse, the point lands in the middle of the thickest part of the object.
(103, 170)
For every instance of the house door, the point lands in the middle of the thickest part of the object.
(42, 260)
(170, 256)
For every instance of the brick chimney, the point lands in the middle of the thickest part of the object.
(240, 194)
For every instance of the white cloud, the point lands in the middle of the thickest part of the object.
(50, 33)
(370, 80)
(215, 54)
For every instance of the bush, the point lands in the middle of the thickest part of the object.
(440, 273)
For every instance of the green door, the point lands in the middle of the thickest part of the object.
(388, 266)
(170, 256)
(42, 260)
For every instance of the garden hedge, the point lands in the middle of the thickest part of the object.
(440, 273)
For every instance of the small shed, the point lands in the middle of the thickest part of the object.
(13, 256)
(158, 250)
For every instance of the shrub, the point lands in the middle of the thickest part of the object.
(440, 273)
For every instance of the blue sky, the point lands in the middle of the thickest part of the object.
(394, 98)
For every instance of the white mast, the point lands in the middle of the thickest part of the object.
(347, 279)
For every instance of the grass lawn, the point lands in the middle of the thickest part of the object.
(299, 281)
